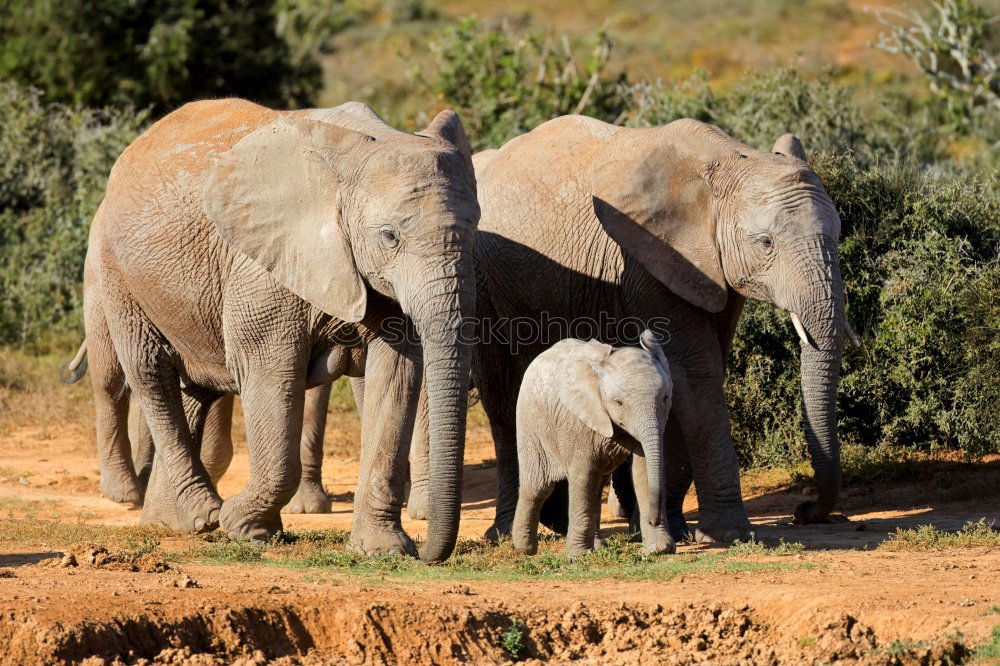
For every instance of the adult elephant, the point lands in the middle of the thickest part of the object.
(238, 249)
(595, 231)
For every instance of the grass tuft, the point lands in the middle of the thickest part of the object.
(989, 651)
(928, 537)
(512, 640)
(755, 548)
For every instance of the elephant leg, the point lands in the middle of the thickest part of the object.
(700, 407)
(655, 538)
(152, 375)
(142, 442)
(119, 482)
(217, 438)
(393, 373)
(160, 507)
(532, 493)
(310, 496)
(677, 479)
(499, 398)
(584, 506)
(272, 408)
(416, 503)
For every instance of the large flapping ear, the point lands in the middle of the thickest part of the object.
(275, 197)
(658, 206)
(577, 386)
(789, 145)
(447, 127)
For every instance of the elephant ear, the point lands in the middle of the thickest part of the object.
(577, 386)
(658, 206)
(790, 146)
(275, 197)
(447, 127)
(650, 341)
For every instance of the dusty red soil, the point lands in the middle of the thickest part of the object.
(848, 603)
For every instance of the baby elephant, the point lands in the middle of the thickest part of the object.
(583, 409)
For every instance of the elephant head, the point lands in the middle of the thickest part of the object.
(705, 214)
(627, 387)
(334, 214)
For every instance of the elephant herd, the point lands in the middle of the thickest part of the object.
(242, 250)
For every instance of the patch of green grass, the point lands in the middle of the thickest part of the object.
(228, 552)
(806, 642)
(473, 559)
(753, 547)
(512, 640)
(902, 648)
(994, 610)
(989, 651)
(325, 552)
(928, 537)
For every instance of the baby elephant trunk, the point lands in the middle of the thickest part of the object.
(652, 450)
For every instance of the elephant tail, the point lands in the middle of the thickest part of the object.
(77, 368)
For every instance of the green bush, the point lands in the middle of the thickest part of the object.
(504, 83)
(158, 53)
(824, 113)
(54, 163)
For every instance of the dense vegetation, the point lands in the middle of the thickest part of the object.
(915, 177)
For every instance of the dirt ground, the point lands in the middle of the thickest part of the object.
(841, 599)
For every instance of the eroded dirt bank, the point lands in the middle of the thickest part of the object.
(833, 609)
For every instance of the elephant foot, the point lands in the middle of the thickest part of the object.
(723, 526)
(370, 540)
(575, 550)
(806, 513)
(657, 539)
(121, 488)
(500, 529)
(678, 527)
(198, 509)
(416, 503)
(241, 523)
(525, 545)
(309, 498)
(194, 513)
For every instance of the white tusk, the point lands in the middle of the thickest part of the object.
(797, 323)
(851, 335)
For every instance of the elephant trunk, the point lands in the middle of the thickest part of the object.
(821, 325)
(439, 319)
(652, 449)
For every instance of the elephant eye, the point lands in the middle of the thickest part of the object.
(388, 236)
(765, 242)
